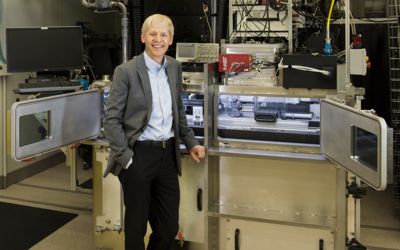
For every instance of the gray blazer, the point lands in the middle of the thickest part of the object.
(129, 107)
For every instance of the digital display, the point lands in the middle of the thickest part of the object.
(44, 49)
(365, 148)
(186, 51)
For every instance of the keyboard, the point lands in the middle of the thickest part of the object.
(58, 86)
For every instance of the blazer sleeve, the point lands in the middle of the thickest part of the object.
(113, 120)
(185, 133)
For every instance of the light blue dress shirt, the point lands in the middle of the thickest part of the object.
(160, 123)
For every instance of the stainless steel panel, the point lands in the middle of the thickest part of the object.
(193, 89)
(252, 154)
(273, 185)
(267, 49)
(255, 235)
(106, 240)
(268, 146)
(247, 122)
(274, 91)
(74, 117)
(337, 123)
(191, 221)
(112, 213)
(274, 217)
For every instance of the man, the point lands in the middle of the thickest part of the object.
(144, 122)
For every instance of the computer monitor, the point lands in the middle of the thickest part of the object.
(44, 49)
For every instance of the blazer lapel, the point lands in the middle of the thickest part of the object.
(145, 81)
(172, 84)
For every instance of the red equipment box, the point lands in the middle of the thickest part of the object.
(226, 61)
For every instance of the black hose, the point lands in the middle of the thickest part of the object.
(136, 19)
(222, 16)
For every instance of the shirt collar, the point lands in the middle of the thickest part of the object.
(153, 65)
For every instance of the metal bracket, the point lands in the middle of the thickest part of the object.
(354, 190)
(117, 229)
(355, 245)
(99, 230)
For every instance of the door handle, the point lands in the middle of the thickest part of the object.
(237, 239)
(199, 203)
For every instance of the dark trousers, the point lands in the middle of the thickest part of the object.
(151, 193)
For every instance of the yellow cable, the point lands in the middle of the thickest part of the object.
(205, 9)
(330, 12)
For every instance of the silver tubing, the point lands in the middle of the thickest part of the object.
(214, 20)
(347, 41)
(125, 32)
(88, 5)
(122, 7)
(125, 29)
(5, 133)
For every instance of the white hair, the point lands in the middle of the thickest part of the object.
(159, 21)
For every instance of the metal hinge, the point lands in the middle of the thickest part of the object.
(355, 245)
(354, 190)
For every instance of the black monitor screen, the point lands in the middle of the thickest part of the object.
(44, 49)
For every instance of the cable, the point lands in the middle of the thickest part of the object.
(194, 60)
(90, 68)
(304, 25)
(330, 13)
(237, 73)
(259, 75)
(205, 9)
(303, 68)
(85, 56)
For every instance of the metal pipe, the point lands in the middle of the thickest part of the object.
(290, 18)
(125, 35)
(124, 22)
(122, 7)
(4, 133)
(125, 29)
(88, 5)
(347, 41)
(214, 20)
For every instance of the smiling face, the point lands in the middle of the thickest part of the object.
(157, 41)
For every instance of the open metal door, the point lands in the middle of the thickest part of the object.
(43, 125)
(359, 142)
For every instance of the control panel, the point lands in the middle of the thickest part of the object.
(197, 52)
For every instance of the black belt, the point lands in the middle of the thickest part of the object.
(157, 144)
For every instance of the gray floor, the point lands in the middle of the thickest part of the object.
(50, 190)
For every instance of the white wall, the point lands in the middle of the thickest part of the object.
(30, 13)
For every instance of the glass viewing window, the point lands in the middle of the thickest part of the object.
(34, 128)
(364, 148)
